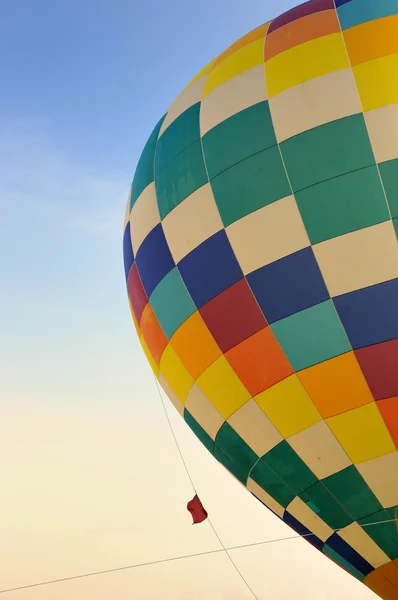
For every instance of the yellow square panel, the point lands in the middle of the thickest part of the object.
(381, 475)
(176, 402)
(268, 234)
(150, 358)
(223, 387)
(309, 519)
(236, 94)
(192, 222)
(359, 259)
(190, 96)
(205, 71)
(202, 410)
(314, 103)
(304, 62)
(320, 450)
(176, 374)
(242, 60)
(288, 406)
(358, 539)
(255, 428)
(377, 82)
(144, 216)
(362, 433)
(382, 126)
(265, 498)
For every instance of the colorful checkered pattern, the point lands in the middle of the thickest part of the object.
(261, 260)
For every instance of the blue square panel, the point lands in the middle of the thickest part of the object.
(370, 315)
(154, 259)
(210, 269)
(288, 285)
(128, 254)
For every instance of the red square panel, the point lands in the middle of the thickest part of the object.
(233, 315)
(389, 412)
(137, 295)
(379, 364)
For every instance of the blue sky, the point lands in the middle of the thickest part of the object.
(88, 450)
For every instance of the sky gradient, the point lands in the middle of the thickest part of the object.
(91, 478)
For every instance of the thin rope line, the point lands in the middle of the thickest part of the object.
(193, 485)
(173, 559)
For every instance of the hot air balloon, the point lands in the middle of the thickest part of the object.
(261, 259)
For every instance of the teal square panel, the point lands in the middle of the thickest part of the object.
(250, 185)
(236, 448)
(272, 484)
(343, 204)
(312, 336)
(327, 151)
(185, 174)
(198, 430)
(144, 174)
(242, 135)
(342, 562)
(351, 491)
(287, 464)
(389, 175)
(328, 508)
(384, 534)
(182, 132)
(232, 466)
(171, 303)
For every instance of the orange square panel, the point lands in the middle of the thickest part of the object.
(336, 385)
(259, 361)
(152, 333)
(195, 346)
(389, 412)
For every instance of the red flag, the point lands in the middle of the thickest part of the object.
(197, 511)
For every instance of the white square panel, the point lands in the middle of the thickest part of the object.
(203, 411)
(358, 539)
(251, 423)
(309, 519)
(268, 234)
(359, 259)
(192, 222)
(265, 498)
(381, 475)
(144, 216)
(382, 126)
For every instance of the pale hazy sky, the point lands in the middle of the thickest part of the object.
(90, 477)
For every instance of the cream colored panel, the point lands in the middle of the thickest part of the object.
(127, 212)
(320, 450)
(383, 131)
(144, 216)
(192, 222)
(190, 96)
(255, 428)
(262, 495)
(381, 475)
(359, 259)
(202, 410)
(313, 103)
(358, 539)
(234, 95)
(309, 519)
(176, 402)
(268, 234)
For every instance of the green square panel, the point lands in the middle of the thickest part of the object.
(343, 204)
(272, 484)
(182, 132)
(342, 562)
(328, 508)
(171, 302)
(351, 491)
(250, 185)
(230, 464)
(198, 430)
(287, 464)
(236, 448)
(327, 151)
(144, 174)
(180, 178)
(389, 175)
(242, 135)
(312, 336)
(384, 534)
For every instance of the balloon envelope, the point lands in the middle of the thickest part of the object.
(261, 260)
